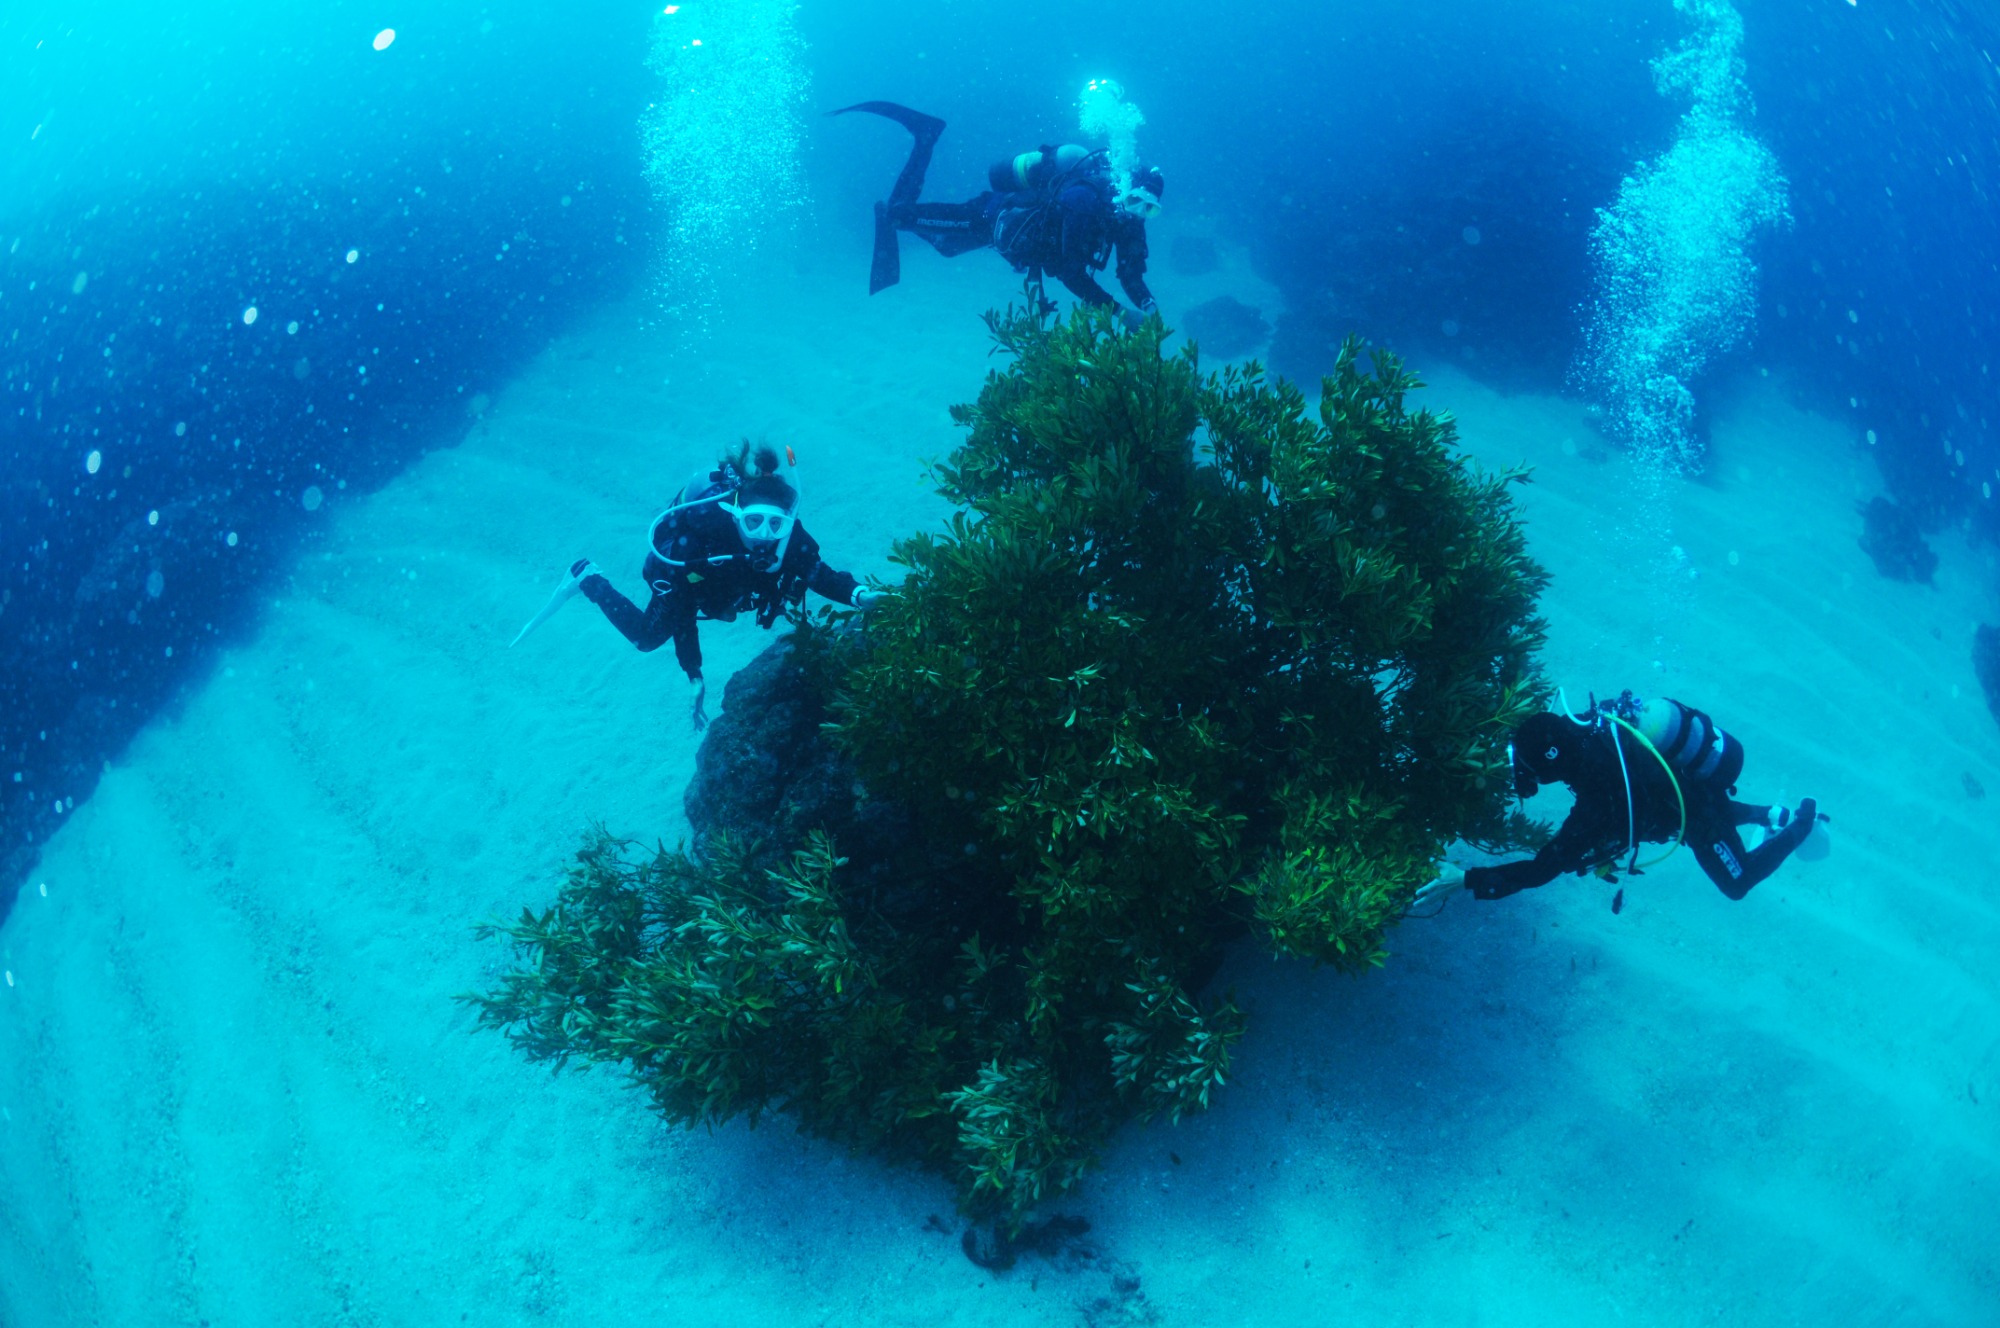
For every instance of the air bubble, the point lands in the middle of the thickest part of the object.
(721, 142)
(1675, 282)
(385, 39)
(93, 461)
(312, 498)
(250, 315)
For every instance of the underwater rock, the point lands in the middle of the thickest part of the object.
(1194, 256)
(1226, 327)
(762, 772)
(1890, 535)
(766, 777)
(1986, 666)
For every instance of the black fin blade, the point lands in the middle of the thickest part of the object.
(887, 268)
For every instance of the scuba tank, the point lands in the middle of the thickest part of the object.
(1037, 170)
(1690, 742)
(706, 489)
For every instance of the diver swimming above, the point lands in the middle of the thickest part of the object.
(1056, 211)
(730, 542)
(1642, 772)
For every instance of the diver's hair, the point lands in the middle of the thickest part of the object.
(758, 477)
(749, 460)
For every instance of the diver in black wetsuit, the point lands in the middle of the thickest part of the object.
(730, 543)
(1642, 773)
(1052, 212)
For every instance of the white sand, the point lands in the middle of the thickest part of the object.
(236, 1089)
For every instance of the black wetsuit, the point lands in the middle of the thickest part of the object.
(1065, 224)
(698, 567)
(1596, 831)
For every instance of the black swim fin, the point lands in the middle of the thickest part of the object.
(887, 269)
(925, 128)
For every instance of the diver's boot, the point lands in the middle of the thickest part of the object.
(1793, 827)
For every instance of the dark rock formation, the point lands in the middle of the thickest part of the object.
(1890, 535)
(1226, 327)
(1986, 666)
(767, 777)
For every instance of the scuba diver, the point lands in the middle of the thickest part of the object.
(1642, 772)
(731, 542)
(1054, 211)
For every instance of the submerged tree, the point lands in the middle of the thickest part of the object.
(1189, 664)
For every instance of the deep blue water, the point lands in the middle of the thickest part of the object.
(408, 225)
(411, 224)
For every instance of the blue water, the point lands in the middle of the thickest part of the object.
(256, 261)
(407, 225)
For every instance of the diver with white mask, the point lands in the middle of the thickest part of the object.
(730, 543)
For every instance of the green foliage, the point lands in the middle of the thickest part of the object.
(1189, 663)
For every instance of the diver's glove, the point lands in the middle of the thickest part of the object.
(867, 597)
(1439, 887)
(699, 716)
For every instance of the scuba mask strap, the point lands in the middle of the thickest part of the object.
(792, 477)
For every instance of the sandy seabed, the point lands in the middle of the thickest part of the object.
(235, 1087)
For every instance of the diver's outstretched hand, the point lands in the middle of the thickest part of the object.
(698, 715)
(1440, 887)
(867, 597)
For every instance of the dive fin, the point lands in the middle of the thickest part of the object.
(887, 269)
(572, 581)
(924, 127)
